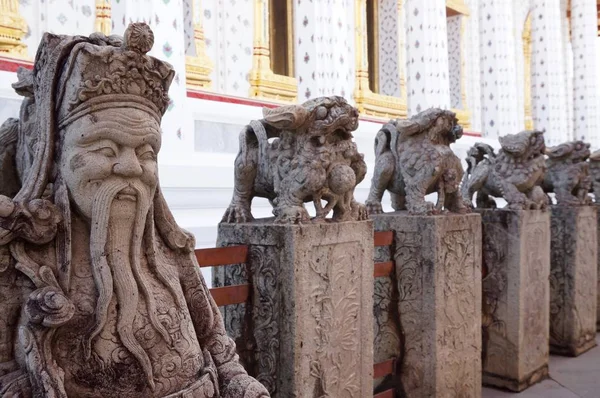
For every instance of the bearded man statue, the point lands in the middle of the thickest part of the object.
(100, 292)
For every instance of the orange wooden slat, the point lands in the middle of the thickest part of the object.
(221, 256)
(382, 369)
(383, 269)
(235, 294)
(383, 238)
(385, 394)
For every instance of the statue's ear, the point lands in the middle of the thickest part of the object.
(407, 127)
(559, 151)
(513, 143)
(594, 157)
(285, 117)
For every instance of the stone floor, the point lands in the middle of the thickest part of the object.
(569, 378)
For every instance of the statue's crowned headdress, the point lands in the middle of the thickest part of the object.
(96, 77)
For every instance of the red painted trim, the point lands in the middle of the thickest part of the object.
(11, 65)
(204, 95)
(230, 99)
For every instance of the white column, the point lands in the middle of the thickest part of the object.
(59, 17)
(427, 55)
(498, 68)
(324, 37)
(388, 51)
(585, 70)
(166, 21)
(548, 71)
(472, 67)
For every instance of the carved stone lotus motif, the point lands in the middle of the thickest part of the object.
(413, 158)
(568, 173)
(101, 292)
(311, 158)
(515, 173)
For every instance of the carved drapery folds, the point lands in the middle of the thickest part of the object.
(199, 67)
(12, 30)
(264, 83)
(368, 102)
(103, 17)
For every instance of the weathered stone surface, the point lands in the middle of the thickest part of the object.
(311, 157)
(516, 297)
(100, 292)
(568, 174)
(594, 162)
(438, 276)
(413, 158)
(308, 330)
(515, 174)
(573, 279)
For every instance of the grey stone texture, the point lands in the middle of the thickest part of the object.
(514, 174)
(438, 277)
(308, 331)
(567, 173)
(310, 158)
(100, 292)
(573, 279)
(412, 159)
(516, 297)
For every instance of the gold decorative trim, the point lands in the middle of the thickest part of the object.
(12, 30)
(368, 102)
(527, 73)
(454, 7)
(464, 118)
(103, 21)
(263, 82)
(198, 68)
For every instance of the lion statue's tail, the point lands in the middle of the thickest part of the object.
(386, 138)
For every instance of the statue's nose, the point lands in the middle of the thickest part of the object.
(127, 164)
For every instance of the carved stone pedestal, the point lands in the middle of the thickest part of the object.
(438, 275)
(516, 297)
(307, 330)
(573, 280)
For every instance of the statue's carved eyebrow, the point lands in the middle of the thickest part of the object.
(144, 133)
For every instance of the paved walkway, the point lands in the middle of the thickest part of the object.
(569, 378)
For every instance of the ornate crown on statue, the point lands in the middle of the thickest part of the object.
(97, 77)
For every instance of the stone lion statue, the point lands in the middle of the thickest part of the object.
(412, 159)
(311, 157)
(101, 295)
(594, 162)
(568, 173)
(515, 173)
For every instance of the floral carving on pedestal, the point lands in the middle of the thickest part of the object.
(535, 323)
(409, 277)
(457, 332)
(334, 306)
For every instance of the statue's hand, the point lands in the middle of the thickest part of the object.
(49, 306)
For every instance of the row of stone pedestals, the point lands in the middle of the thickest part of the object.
(472, 299)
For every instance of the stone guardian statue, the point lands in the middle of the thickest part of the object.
(515, 173)
(413, 158)
(101, 295)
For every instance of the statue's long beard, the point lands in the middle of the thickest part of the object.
(115, 248)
